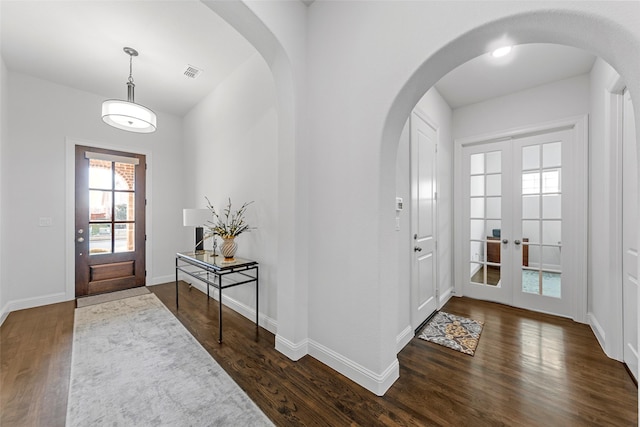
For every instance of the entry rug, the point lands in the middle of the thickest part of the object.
(135, 364)
(455, 332)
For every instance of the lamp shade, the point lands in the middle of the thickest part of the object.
(128, 116)
(195, 217)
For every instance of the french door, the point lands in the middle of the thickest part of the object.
(110, 220)
(518, 239)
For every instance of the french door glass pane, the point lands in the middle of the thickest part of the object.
(100, 205)
(124, 237)
(100, 238)
(125, 176)
(100, 176)
(124, 206)
(477, 207)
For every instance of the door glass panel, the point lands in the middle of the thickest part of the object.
(100, 238)
(111, 206)
(477, 164)
(552, 155)
(531, 281)
(494, 207)
(494, 185)
(124, 237)
(531, 157)
(485, 217)
(477, 186)
(551, 257)
(531, 183)
(551, 284)
(100, 176)
(124, 206)
(531, 230)
(531, 207)
(125, 176)
(552, 206)
(494, 162)
(477, 207)
(551, 232)
(100, 205)
(551, 181)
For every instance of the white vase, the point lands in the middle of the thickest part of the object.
(228, 248)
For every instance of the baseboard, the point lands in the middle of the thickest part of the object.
(171, 278)
(265, 321)
(375, 383)
(445, 297)
(598, 331)
(404, 338)
(292, 350)
(24, 303)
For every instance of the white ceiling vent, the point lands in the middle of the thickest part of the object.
(192, 72)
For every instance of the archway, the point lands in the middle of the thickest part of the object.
(558, 27)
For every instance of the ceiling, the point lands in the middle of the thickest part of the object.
(79, 44)
(527, 66)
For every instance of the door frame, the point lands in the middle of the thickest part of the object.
(70, 208)
(579, 218)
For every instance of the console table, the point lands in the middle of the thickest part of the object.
(210, 269)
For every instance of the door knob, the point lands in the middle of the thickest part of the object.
(80, 239)
(417, 249)
(505, 241)
(517, 242)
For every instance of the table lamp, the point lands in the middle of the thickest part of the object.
(197, 218)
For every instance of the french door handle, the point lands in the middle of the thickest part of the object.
(517, 242)
(80, 239)
(505, 241)
(417, 249)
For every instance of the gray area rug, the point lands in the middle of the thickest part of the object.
(135, 364)
(111, 296)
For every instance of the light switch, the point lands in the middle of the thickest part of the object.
(45, 221)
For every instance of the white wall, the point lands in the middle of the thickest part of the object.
(553, 101)
(41, 117)
(231, 150)
(436, 109)
(4, 122)
(604, 274)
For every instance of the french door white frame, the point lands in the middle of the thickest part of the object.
(577, 217)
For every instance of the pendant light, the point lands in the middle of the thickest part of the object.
(127, 115)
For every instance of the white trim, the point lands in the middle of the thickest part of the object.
(599, 332)
(70, 206)
(38, 301)
(404, 337)
(294, 351)
(239, 307)
(445, 297)
(375, 383)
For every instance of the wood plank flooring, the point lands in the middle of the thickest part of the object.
(529, 370)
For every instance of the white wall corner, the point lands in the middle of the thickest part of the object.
(404, 337)
(372, 381)
(600, 334)
(21, 304)
(445, 297)
(294, 351)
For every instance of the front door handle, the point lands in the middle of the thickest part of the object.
(517, 242)
(80, 239)
(417, 249)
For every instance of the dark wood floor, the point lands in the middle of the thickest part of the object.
(529, 370)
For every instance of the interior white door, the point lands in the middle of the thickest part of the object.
(514, 198)
(629, 237)
(424, 218)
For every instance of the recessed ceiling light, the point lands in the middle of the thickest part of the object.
(501, 51)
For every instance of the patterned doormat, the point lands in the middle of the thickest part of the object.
(455, 332)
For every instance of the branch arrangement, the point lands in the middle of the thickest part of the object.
(229, 223)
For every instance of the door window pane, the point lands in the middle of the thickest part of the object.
(477, 164)
(124, 206)
(494, 162)
(531, 157)
(477, 229)
(100, 205)
(531, 230)
(494, 185)
(100, 239)
(494, 207)
(551, 181)
(551, 284)
(100, 176)
(531, 183)
(477, 207)
(552, 206)
(477, 186)
(531, 207)
(125, 176)
(124, 238)
(552, 155)
(551, 232)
